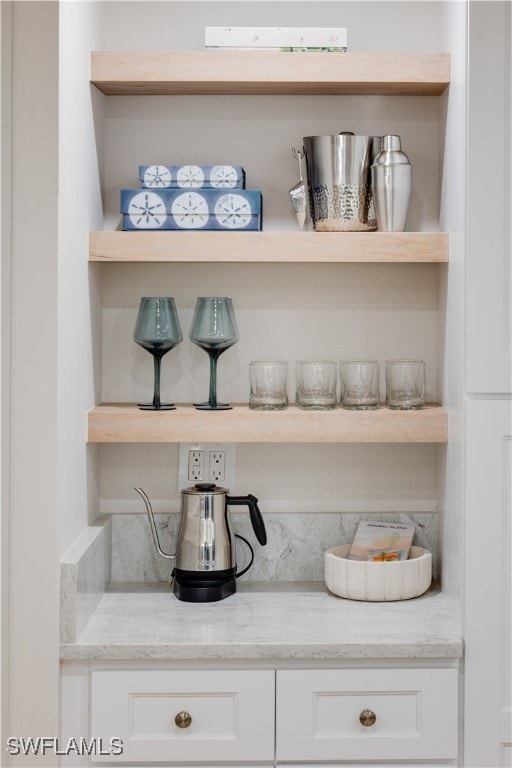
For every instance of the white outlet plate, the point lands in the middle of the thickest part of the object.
(196, 466)
(217, 468)
(214, 461)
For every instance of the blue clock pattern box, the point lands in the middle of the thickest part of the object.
(179, 209)
(192, 176)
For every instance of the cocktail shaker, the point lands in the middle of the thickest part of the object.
(391, 184)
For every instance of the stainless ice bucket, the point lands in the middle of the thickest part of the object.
(339, 181)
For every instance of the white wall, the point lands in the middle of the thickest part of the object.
(372, 26)
(5, 346)
(79, 291)
(487, 604)
(34, 561)
(489, 285)
(452, 298)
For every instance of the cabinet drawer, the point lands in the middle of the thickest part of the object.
(318, 714)
(232, 715)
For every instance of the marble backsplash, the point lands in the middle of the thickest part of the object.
(294, 551)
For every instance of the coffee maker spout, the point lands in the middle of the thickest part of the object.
(152, 524)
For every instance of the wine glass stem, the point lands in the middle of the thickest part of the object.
(157, 360)
(213, 378)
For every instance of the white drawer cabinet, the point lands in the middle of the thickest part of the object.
(231, 715)
(412, 714)
(291, 716)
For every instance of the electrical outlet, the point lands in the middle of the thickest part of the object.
(217, 468)
(196, 466)
(206, 463)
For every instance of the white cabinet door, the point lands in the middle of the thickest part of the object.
(489, 202)
(231, 715)
(488, 637)
(325, 714)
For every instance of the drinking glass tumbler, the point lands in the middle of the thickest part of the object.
(360, 384)
(268, 385)
(405, 384)
(315, 384)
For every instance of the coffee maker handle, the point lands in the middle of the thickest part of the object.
(258, 525)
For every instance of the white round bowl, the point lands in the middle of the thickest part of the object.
(362, 580)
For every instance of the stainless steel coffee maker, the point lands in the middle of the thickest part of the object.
(205, 562)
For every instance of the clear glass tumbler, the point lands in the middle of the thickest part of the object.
(268, 385)
(316, 384)
(405, 384)
(360, 384)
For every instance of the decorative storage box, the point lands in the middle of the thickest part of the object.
(178, 209)
(192, 176)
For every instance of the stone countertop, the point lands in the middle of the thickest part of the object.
(274, 621)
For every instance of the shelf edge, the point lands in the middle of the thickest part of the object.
(113, 423)
(269, 247)
(269, 72)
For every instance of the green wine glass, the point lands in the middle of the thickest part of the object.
(157, 330)
(214, 329)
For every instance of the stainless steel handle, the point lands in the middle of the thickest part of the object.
(367, 717)
(183, 719)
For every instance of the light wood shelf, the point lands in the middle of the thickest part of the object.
(269, 72)
(125, 423)
(272, 73)
(268, 247)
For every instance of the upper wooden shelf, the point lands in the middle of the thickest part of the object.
(261, 247)
(269, 72)
(125, 423)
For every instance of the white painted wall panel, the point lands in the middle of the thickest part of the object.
(34, 590)
(488, 582)
(179, 24)
(451, 324)
(489, 243)
(5, 346)
(79, 286)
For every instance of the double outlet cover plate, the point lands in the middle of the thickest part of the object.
(206, 463)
